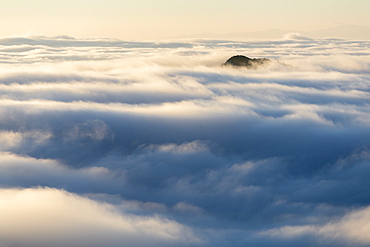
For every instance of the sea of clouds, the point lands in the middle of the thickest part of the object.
(113, 143)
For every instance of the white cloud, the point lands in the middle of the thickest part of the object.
(27, 171)
(353, 228)
(11, 139)
(45, 217)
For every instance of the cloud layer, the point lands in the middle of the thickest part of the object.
(157, 144)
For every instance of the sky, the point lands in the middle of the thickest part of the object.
(149, 19)
(115, 143)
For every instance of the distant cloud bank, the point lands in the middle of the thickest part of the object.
(114, 143)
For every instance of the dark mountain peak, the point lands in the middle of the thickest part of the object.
(243, 61)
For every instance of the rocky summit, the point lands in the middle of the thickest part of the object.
(243, 61)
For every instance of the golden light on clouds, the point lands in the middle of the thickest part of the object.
(109, 142)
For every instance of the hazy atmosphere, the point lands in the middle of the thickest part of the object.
(158, 19)
(111, 138)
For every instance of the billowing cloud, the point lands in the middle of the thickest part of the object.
(45, 217)
(159, 144)
(351, 229)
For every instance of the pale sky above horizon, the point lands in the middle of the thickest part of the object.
(147, 19)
